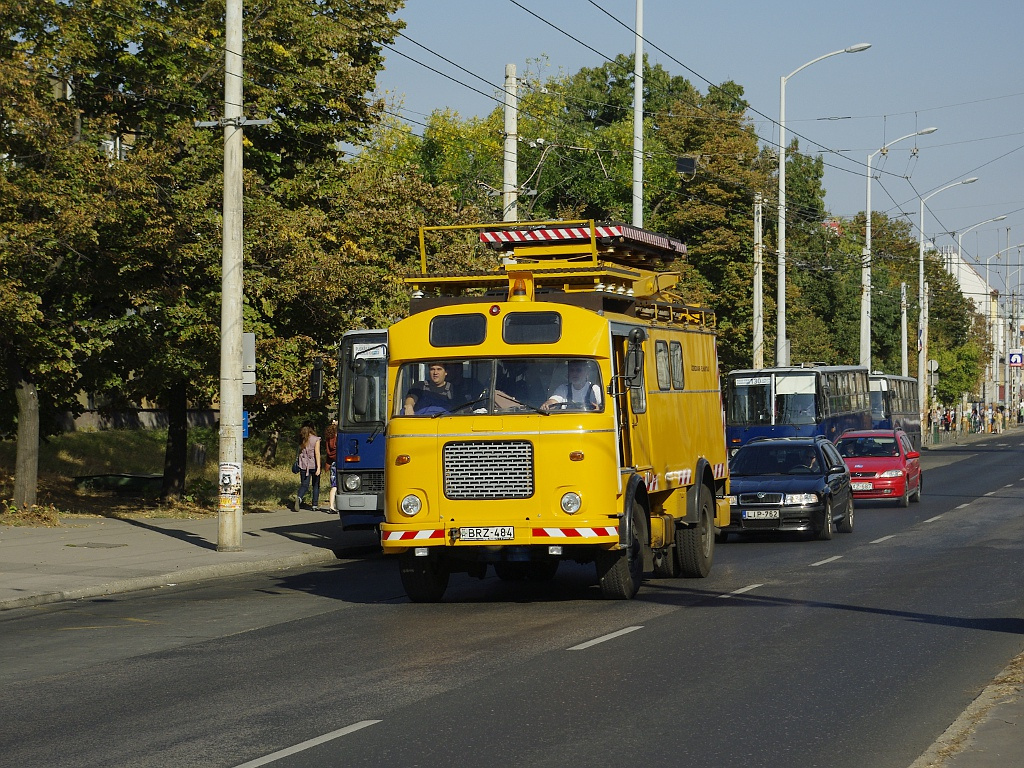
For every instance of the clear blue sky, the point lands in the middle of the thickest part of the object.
(957, 66)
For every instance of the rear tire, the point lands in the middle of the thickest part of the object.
(620, 571)
(825, 532)
(695, 547)
(425, 579)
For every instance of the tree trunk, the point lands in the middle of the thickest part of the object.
(270, 448)
(26, 462)
(176, 454)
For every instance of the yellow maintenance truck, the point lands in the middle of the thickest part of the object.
(564, 406)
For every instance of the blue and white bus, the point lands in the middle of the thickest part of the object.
(795, 401)
(895, 405)
(362, 414)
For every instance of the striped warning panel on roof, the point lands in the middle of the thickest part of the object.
(547, 234)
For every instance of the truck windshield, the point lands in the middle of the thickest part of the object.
(498, 385)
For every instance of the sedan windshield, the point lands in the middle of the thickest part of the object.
(753, 459)
(867, 447)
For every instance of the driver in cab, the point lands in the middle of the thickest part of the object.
(579, 392)
(430, 396)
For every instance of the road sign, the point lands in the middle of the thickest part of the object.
(933, 365)
(1016, 358)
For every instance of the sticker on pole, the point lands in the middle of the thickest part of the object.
(230, 486)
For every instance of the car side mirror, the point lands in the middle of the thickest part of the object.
(913, 455)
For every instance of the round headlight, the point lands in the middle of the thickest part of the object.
(351, 482)
(571, 503)
(410, 505)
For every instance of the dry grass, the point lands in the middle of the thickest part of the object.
(65, 457)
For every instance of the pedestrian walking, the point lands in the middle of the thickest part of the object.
(331, 459)
(309, 465)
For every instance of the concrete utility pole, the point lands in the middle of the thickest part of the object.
(904, 363)
(758, 285)
(229, 521)
(638, 119)
(229, 526)
(510, 186)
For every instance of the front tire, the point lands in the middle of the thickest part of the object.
(695, 547)
(846, 524)
(920, 487)
(620, 571)
(825, 532)
(425, 579)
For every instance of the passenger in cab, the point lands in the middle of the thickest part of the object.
(579, 392)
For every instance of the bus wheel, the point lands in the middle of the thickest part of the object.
(695, 546)
(424, 578)
(620, 571)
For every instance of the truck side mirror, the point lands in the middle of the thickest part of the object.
(635, 357)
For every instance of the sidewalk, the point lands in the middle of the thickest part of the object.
(87, 557)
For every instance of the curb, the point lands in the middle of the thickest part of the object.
(186, 575)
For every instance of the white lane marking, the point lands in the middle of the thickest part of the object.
(884, 538)
(990, 493)
(1008, 485)
(274, 756)
(741, 590)
(965, 504)
(931, 519)
(826, 560)
(603, 638)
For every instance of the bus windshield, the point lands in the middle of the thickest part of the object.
(754, 400)
(498, 385)
(367, 360)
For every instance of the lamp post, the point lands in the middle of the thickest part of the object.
(960, 240)
(781, 350)
(922, 317)
(991, 323)
(865, 268)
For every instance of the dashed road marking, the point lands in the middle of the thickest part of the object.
(990, 493)
(275, 756)
(965, 504)
(603, 638)
(932, 519)
(741, 590)
(884, 538)
(826, 560)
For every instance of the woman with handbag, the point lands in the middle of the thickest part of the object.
(309, 465)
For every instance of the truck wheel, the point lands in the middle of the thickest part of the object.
(666, 564)
(695, 547)
(620, 571)
(825, 532)
(424, 578)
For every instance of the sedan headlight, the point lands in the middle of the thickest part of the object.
(410, 505)
(351, 482)
(800, 498)
(892, 473)
(732, 500)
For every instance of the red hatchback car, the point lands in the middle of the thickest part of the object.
(883, 465)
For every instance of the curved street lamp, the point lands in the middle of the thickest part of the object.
(922, 315)
(960, 240)
(865, 268)
(781, 351)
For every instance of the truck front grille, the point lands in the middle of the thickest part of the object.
(488, 469)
